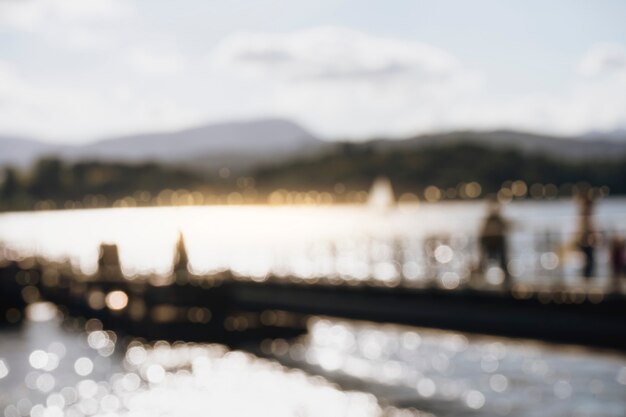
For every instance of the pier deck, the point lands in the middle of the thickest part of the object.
(231, 309)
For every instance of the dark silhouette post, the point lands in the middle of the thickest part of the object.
(109, 267)
(493, 243)
(181, 261)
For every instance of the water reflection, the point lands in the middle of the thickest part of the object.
(407, 244)
(54, 368)
(61, 372)
(451, 374)
(52, 365)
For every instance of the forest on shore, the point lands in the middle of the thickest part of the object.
(340, 172)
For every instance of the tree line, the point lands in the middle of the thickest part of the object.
(353, 166)
(444, 166)
(58, 181)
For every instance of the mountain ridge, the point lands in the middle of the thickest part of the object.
(249, 143)
(561, 147)
(262, 138)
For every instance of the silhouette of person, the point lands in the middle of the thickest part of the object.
(618, 260)
(587, 238)
(493, 240)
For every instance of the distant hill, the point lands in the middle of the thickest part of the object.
(238, 143)
(590, 146)
(246, 145)
(22, 151)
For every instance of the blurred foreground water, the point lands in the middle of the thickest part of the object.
(50, 369)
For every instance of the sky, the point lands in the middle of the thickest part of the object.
(75, 71)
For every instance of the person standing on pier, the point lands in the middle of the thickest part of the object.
(587, 238)
(493, 240)
(618, 261)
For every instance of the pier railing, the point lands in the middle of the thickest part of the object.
(233, 309)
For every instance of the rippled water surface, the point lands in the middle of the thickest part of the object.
(453, 374)
(53, 370)
(72, 368)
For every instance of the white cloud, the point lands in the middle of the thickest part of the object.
(33, 15)
(348, 82)
(66, 113)
(594, 101)
(339, 82)
(68, 23)
(353, 84)
(330, 53)
(604, 59)
(155, 62)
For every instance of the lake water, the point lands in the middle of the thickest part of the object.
(74, 369)
(352, 242)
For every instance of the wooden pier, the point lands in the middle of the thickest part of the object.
(229, 309)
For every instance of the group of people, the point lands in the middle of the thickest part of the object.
(493, 242)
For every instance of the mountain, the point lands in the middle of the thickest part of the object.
(590, 146)
(270, 137)
(618, 134)
(22, 151)
(248, 144)
(233, 142)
